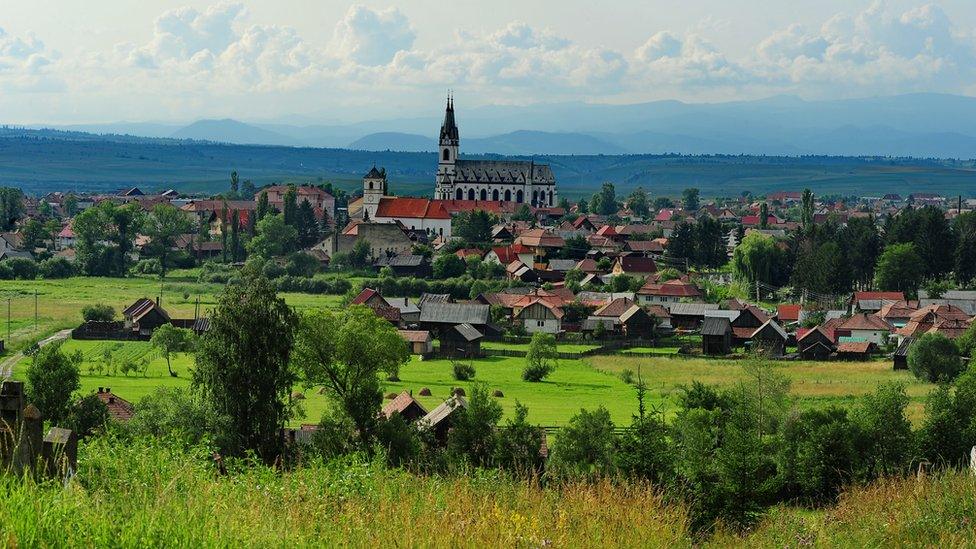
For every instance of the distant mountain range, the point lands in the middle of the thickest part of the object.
(919, 125)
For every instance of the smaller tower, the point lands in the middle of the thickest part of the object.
(449, 144)
(374, 188)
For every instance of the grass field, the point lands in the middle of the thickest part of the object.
(59, 302)
(563, 347)
(587, 383)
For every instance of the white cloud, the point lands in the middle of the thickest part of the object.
(26, 64)
(372, 37)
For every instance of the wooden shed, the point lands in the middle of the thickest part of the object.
(461, 341)
(815, 344)
(419, 341)
(716, 336)
(405, 405)
(770, 339)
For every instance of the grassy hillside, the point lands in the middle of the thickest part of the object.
(45, 160)
(142, 493)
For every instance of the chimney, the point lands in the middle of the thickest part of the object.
(107, 390)
(101, 389)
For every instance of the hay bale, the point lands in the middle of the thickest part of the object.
(424, 392)
(297, 395)
(391, 396)
(497, 393)
(458, 391)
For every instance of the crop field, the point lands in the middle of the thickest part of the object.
(59, 302)
(587, 383)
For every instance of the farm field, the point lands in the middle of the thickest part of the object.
(563, 347)
(586, 383)
(59, 302)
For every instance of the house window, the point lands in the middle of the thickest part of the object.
(540, 323)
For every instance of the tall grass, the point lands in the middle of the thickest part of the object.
(152, 494)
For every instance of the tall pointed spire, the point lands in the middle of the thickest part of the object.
(449, 129)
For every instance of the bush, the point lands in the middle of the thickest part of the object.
(935, 358)
(302, 264)
(585, 446)
(627, 376)
(217, 273)
(56, 267)
(98, 312)
(148, 267)
(22, 268)
(272, 270)
(462, 371)
(6, 273)
(449, 266)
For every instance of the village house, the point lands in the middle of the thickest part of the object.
(814, 344)
(872, 302)
(439, 420)
(672, 291)
(689, 316)
(406, 406)
(863, 327)
(538, 315)
(384, 238)
(634, 265)
(419, 341)
(769, 339)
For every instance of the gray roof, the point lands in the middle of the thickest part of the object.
(604, 296)
(58, 435)
(403, 304)
(503, 172)
(14, 254)
(402, 260)
(966, 304)
(691, 309)
(731, 315)
(432, 298)
(609, 322)
(444, 410)
(562, 264)
(454, 313)
(776, 328)
(716, 326)
(468, 332)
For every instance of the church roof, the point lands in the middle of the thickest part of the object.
(502, 171)
(375, 174)
(449, 129)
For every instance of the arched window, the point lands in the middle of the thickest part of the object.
(508, 195)
(447, 155)
(550, 198)
(459, 194)
(494, 194)
(484, 194)
(470, 194)
(519, 197)
(535, 198)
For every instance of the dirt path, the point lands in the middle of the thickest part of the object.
(7, 366)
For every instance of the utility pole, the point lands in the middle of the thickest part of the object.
(35, 311)
(8, 319)
(757, 291)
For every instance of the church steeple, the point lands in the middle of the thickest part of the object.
(449, 129)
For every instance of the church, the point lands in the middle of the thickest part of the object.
(516, 181)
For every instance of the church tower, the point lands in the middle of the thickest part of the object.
(374, 188)
(448, 153)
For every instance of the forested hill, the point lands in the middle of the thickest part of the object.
(44, 160)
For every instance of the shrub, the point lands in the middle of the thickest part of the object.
(98, 312)
(473, 432)
(585, 446)
(627, 376)
(148, 267)
(56, 267)
(449, 266)
(302, 264)
(462, 371)
(934, 358)
(22, 268)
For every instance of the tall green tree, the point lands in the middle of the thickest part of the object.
(862, 246)
(710, 248)
(307, 225)
(764, 216)
(235, 236)
(234, 184)
(964, 256)
(290, 205)
(274, 237)
(263, 207)
(806, 209)
(690, 199)
(11, 207)
(243, 365)
(474, 227)
(900, 268)
(931, 234)
(605, 201)
(759, 258)
(638, 202)
(163, 226)
(105, 237)
(345, 352)
(681, 244)
(52, 379)
(170, 340)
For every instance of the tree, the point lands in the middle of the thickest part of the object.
(638, 202)
(52, 378)
(862, 246)
(105, 235)
(690, 199)
(518, 444)
(98, 312)
(474, 226)
(307, 225)
(931, 234)
(87, 416)
(886, 439)
(681, 245)
(70, 205)
(967, 341)
(605, 201)
(274, 237)
(163, 225)
(290, 205)
(764, 216)
(264, 207)
(900, 268)
(448, 266)
(34, 235)
(169, 340)
(345, 351)
(234, 184)
(235, 236)
(757, 259)
(247, 190)
(473, 429)
(818, 454)
(934, 358)
(585, 446)
(710, 247)
(644, 450)
(11, 207)
(523, 213)
(242, 365)
(806, 212)
(541, 358)
(964, 257)
(575, 248)
(180, 413)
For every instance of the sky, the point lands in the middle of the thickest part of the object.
(326, 61)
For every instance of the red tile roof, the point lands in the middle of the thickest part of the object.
(858, 347)
(865, 321)
(411, 208)
(364, 296)
(671, 288)
(119, 409)
(788, 313)
(414, 336)
(540, 238)
(886, 296)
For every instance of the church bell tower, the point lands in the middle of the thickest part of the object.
(448, 152)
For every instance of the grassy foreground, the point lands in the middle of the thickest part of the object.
(150, 493)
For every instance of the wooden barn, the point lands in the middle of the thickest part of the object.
(814, 344)
(405, 405)
(461, 341)
(770, 339)
(144, 316)
(716, 336)
(419, 341)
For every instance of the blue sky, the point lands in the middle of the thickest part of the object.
(64, 61)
